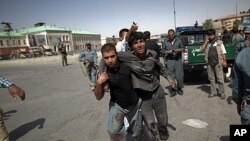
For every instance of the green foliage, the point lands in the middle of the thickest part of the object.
(236, 24)
(208, 24)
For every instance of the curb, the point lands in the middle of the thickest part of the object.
(39, 60)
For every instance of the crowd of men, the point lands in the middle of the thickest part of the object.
(136, 49)
(134, 60)
(140, 98)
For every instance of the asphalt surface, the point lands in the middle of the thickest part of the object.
(60, 106)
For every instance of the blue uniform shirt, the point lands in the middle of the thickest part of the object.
(89, 55)
(241, 85)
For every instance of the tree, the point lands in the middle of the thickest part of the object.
(208, 24)
(236, 23)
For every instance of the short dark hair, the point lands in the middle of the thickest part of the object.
(108, 47)
(210, 32)
(235, 30)
(171, 30)
(122, 30)
(135, 36)
(88, 44)
(146, 34)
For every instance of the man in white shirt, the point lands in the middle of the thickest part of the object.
(124, 33)
(121, 44)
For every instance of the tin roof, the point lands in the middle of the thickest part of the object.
(41, 28)
(11, 33)
(234, 16)
(75, 31)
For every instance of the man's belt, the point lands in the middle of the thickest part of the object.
(173, 58)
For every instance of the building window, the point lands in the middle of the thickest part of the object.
(7, 42)
(24, 42)
(13, 42)
(19, 42)
(1, 42)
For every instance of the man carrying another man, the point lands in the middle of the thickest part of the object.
(124, 102)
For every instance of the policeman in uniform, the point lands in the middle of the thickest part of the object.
(241, 85)
(247, 35)
(62, 50)
(173, 54)
(89, 58)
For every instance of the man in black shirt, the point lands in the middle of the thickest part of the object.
(151, 44)
(124, 116)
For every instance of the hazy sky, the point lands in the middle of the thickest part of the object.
(107, 17)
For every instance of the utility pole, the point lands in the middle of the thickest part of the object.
(236, 19)
(236, 10)
(174, 15)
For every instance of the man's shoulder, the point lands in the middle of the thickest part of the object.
(153, 42)
(178, 41)
(84, 51)
(93, 50)
(244, 53)
(247, 41)
(152, 53)
(118, 44)
(219, 42)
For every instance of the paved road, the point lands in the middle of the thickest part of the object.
(60, 106)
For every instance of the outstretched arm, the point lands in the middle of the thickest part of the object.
(13, 89)
(132, 29)
(16, 91)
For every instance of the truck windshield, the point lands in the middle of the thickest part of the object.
(193, 39)
(246, 20)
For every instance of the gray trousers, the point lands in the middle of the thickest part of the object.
(116, 125)
(64, 60)
(156, 104)
(245, 115)
(91, 72)
(216, 72)
(177, 67)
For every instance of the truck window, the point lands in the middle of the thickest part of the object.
(193, 39)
